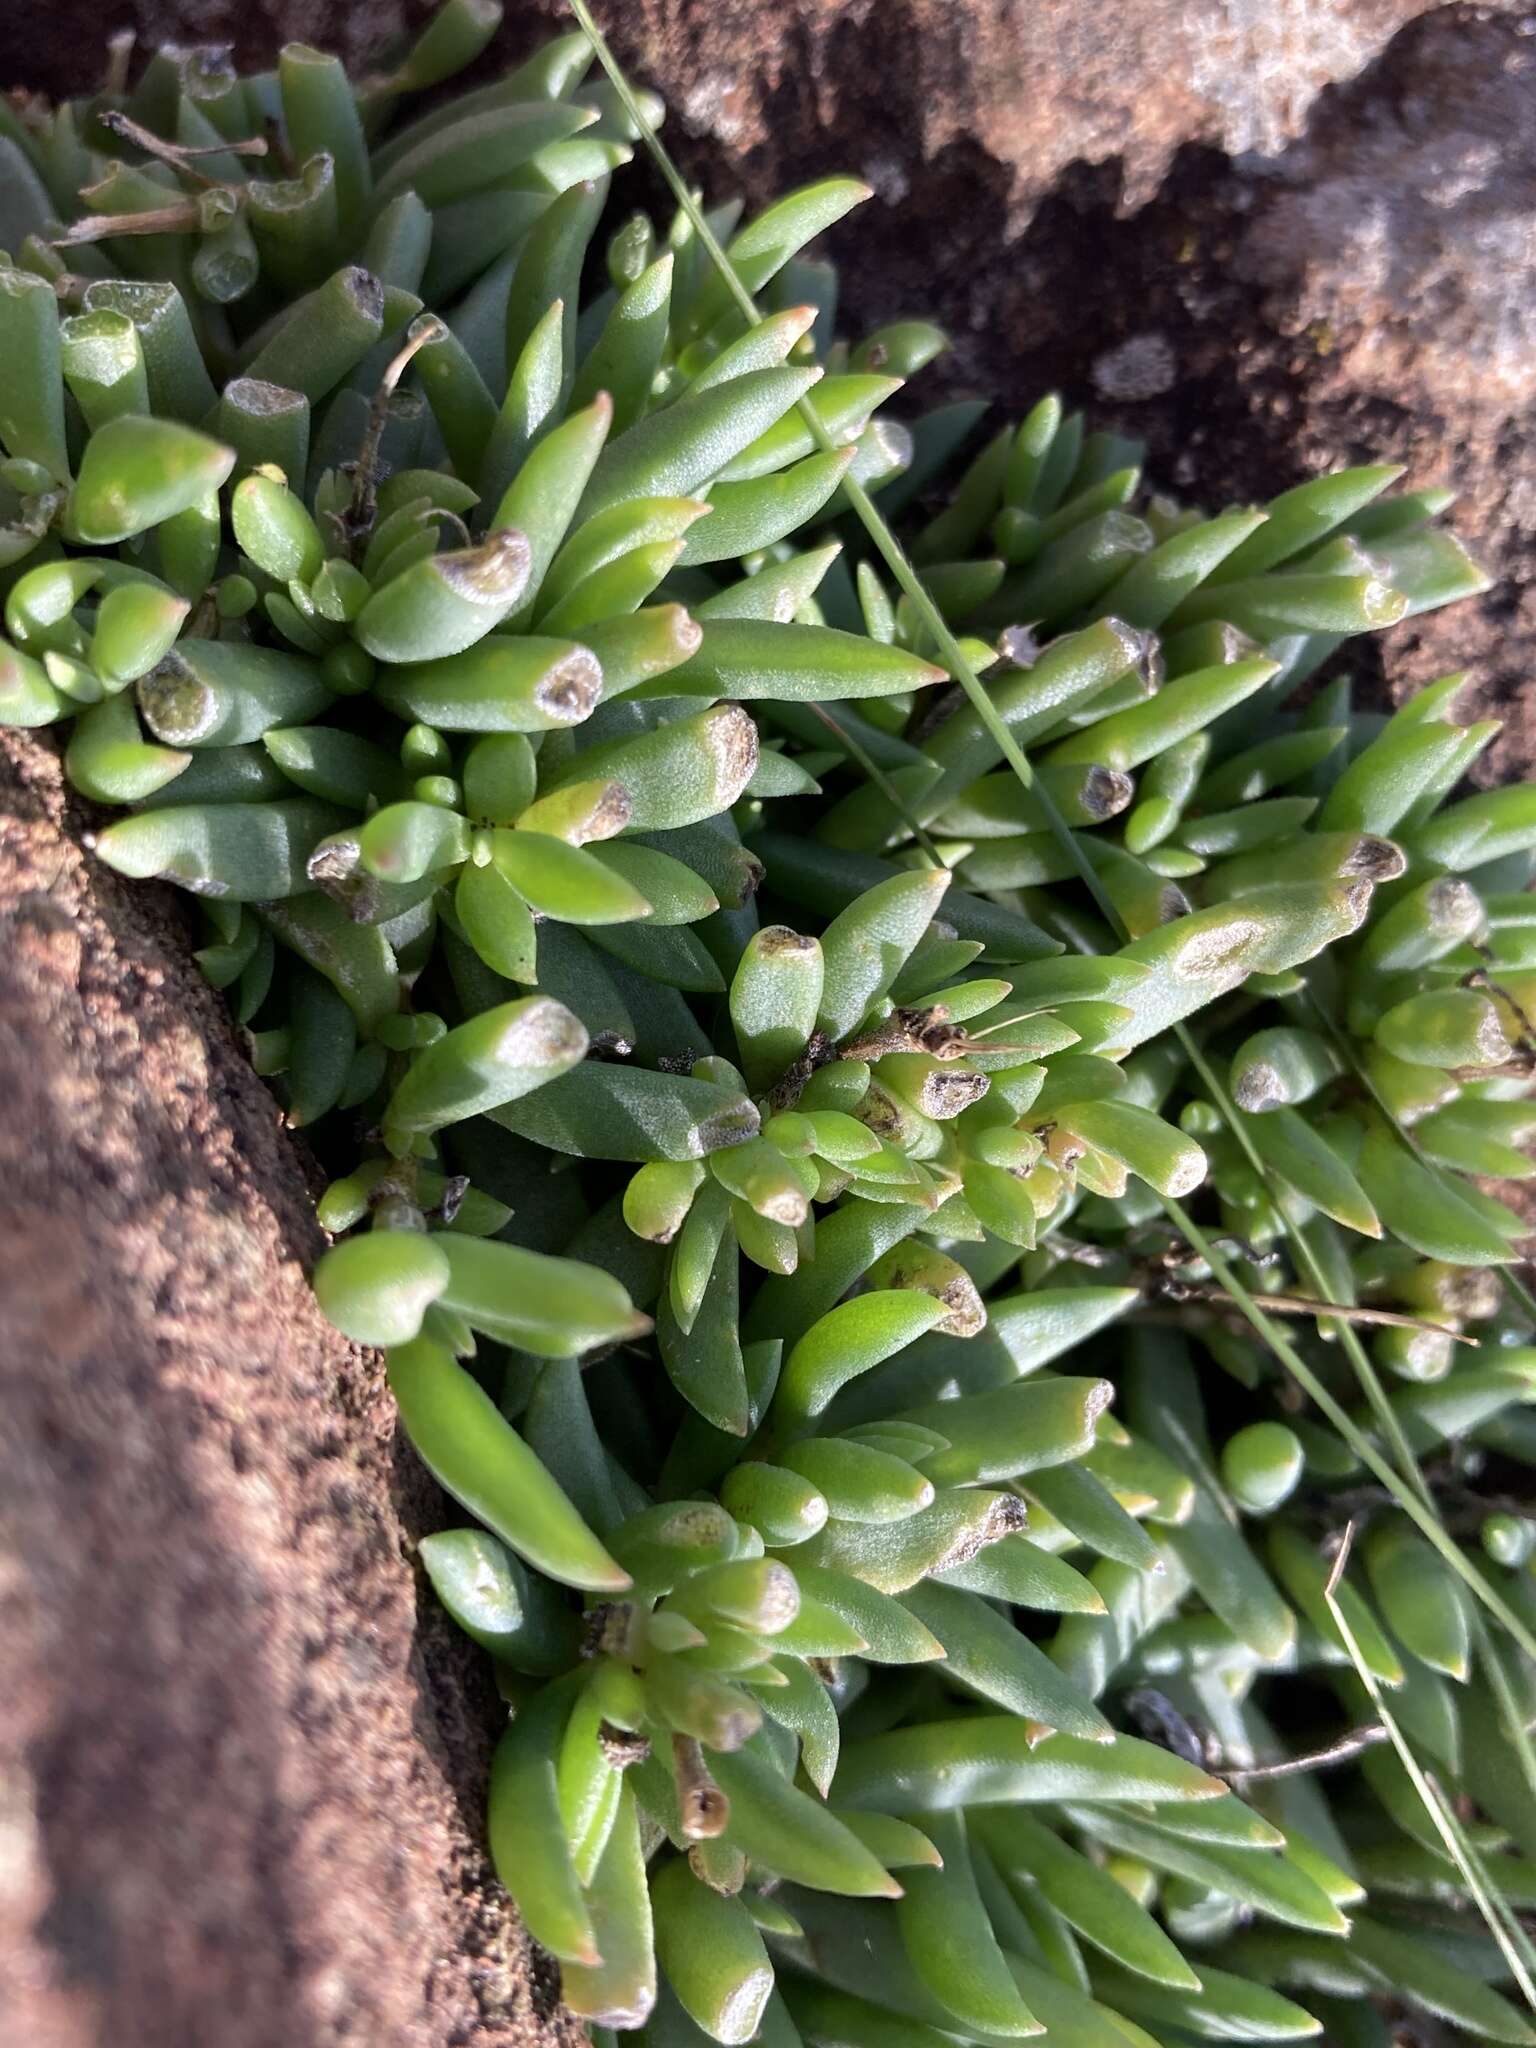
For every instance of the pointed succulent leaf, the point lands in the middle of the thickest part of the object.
(477, 1456)
(487, 1062)
(991, 1760)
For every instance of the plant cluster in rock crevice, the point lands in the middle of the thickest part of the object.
(925, 1132)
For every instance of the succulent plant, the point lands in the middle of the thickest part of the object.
(784, 1000)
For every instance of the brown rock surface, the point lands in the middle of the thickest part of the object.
(241, 1767)
(242, 1773)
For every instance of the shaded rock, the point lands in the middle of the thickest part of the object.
(1397, 246)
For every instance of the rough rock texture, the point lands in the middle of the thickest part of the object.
(241, 1763)
(245, 1770)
